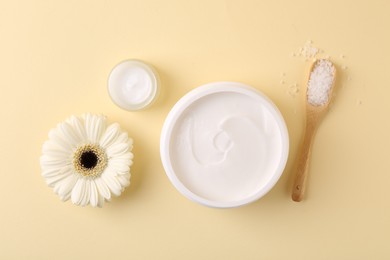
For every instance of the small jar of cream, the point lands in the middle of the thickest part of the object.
(133, 85)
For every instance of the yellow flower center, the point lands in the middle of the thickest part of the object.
(89, 160)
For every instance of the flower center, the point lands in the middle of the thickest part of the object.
(89, 160)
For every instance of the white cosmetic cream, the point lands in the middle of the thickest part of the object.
(224, 144)
(133, 85)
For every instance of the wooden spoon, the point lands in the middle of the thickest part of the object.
(314, 113)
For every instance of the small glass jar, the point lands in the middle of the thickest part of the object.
(133, 85)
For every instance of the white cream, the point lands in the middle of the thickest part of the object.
(224, 145)
(133, 85)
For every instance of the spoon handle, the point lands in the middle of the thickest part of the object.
(303, 163)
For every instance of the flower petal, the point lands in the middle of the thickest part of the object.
(119, 166)
(117, 149)
(103, 189)
(78, 127)
(122, 138)
(51, 171)
(95, 126)
(94, 194)
(54, 158)
(66, 197)
(87, 193)
(48, 161)
(78, 191)
(130, 144)
(100, 200)
(52, 148)
(56, 136)
(61, 174)
(124, 180)
(110, 135)
(126, 156)
(69, 134)
(112, 183)
(67, 185)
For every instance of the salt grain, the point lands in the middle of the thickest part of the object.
(308, 51)
(320, 82)
(293, 90)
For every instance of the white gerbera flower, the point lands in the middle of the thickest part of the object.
(86, 161)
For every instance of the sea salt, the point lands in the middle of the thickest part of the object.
(293, 90)
(308, 50)
(320, 82)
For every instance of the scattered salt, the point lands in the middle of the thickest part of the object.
(293, 90)
(320, 82)
(308, 50)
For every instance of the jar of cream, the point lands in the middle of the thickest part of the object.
(133, 85)
(224, 144)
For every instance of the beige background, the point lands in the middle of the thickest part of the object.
(55, 57)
